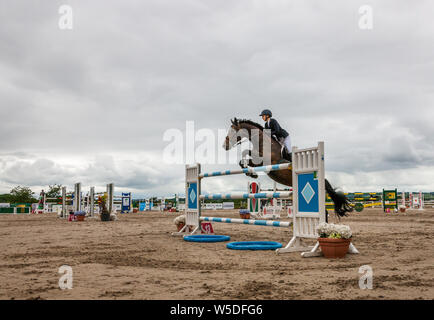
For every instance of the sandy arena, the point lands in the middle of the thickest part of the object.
(137, 258)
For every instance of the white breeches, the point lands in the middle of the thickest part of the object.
(287, 143)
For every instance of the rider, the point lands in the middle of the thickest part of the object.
(276, 130)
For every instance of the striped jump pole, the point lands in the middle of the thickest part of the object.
(269, 168)
(242, 195)
(270, 223)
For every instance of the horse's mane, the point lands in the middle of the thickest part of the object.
(257, 125)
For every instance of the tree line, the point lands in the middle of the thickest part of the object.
(21, 194)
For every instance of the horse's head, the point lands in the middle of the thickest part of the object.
(232, 137)
(239, 131)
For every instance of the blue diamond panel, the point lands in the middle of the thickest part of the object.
(308, 193)
(192, 196)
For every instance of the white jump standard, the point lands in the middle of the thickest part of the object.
(308, 179)
(308, 196)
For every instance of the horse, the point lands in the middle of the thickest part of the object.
(243, 130)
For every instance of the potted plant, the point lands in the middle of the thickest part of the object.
(179, 221)
(79, 215)
(71, 216)
(244, 213)
(334, 239)
(105, 215)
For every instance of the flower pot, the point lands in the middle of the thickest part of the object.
(334, 248)
(105, 216)
(402, 209)
(180, 226)
(80, 218)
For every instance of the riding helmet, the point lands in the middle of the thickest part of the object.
(266, 112)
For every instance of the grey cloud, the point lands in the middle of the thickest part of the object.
(130, 70)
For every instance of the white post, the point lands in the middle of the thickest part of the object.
(403, 198)
(192, 200)
(44, 203)
(64, 211)
(77, 197)
(163, 204)
(110, 192)
(423, 200)
(92, 201)
(420, 200)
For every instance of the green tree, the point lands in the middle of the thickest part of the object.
(54, 191)
(22, 195)
(5, 198)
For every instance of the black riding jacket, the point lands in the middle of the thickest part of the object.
(276, 129)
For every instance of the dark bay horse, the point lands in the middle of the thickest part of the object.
(241, 130)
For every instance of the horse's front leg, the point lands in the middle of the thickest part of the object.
(245, 158)
(246, 161)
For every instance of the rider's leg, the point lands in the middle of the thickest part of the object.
(287, 145)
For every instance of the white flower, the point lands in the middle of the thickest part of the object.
(326, 230)
(179, 219)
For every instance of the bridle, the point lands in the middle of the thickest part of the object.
(233, 133)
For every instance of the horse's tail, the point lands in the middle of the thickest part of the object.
(342, 205)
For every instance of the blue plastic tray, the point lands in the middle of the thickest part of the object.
(207, 238)
(254, 245)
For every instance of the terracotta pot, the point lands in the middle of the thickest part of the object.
(334, 248)
(80, 218)
(105, 216)
(180, 226)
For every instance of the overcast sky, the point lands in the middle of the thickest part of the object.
(91, 104)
